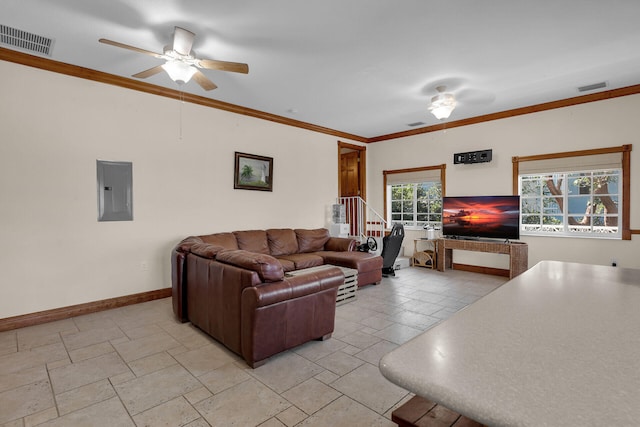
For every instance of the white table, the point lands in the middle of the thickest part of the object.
(559, 345)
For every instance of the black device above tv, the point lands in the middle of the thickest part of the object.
(494, 217)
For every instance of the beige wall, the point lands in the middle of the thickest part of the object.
(54, 253)
(600, 124)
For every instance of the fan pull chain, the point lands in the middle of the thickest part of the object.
(180, 116)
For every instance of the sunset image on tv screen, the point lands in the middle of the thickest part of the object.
(482, 216)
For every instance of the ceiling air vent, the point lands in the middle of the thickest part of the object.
(414, 124)
(594, 86)
(26, 41)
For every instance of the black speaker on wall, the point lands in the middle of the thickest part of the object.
(481, 156)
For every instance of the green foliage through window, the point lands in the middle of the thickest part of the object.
(583, 203)
(416, 204)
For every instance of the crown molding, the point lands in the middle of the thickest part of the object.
(583, 99)
(98, 76)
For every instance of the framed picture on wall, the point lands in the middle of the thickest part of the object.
(253, 172)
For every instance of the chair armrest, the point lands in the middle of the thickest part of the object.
(268, 268)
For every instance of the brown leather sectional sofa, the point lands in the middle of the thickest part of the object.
(233, 286)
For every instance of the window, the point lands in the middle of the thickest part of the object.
(575, 194)
(582, 203)
(413, 197)
(416, 204)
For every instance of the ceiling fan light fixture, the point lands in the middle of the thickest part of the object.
(442, 105)
(180, 72)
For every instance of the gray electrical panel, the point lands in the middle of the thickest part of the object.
(115, 191)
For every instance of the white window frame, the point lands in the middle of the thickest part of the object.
(565, 229)
(607, 158)
(415, 224)
(419, 175)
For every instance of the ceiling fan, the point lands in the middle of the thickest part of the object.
(451, 93)
(442, 104)
(181, 62)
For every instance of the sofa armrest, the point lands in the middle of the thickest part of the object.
(281, 315)
(293, 287)
(340, 244)
(178, 286)
(268, 268)
(178, 273)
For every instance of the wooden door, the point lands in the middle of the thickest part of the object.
(350, 174)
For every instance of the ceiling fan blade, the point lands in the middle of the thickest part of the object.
(182, 41)
(204, 81)
(150, 72)
(133, 48)
(212, 64)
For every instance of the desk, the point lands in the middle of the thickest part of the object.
(556, 346)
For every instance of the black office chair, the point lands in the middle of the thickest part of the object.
(391, 245)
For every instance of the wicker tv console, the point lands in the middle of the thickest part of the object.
(518, 253)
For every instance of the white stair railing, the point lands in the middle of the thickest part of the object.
(363, 220)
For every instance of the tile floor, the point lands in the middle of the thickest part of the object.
(137, 366)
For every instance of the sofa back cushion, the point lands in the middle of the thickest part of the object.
(186, 244)
(252, 241)
(267, 267)
(282, 241)
(206, 250)
(301, 261)
(224, 240)
(311, 240)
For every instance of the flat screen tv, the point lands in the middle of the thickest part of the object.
(495, 217)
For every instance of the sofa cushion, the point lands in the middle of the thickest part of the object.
(267, 267)
(361, 261)
(206, 250)
(311, 240)
(225, 240)
(340, 244)
(303, 260)
(282, 241)
(287, 265)
(252, 241)
(185, 244)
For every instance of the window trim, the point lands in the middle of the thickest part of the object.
(566, 196)
(626, 231)
(416, 223)
(385, 173)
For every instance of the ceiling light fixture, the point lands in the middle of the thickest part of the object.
(442, 104)
(179, 71)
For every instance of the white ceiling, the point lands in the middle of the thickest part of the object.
(364, 67)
